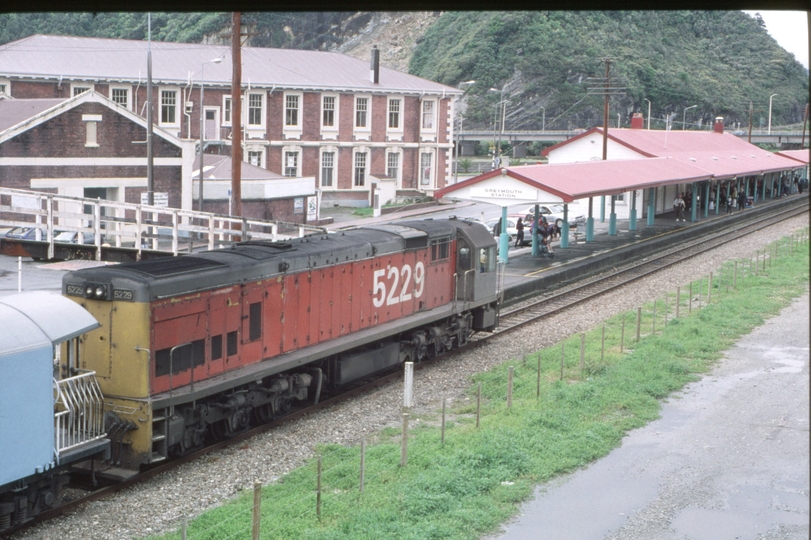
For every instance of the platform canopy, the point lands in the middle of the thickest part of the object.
(567, 182)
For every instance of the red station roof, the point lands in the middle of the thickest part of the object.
(800, 155)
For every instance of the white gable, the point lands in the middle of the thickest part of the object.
(590, 148)
(505, 191)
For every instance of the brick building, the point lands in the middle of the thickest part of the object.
(305, 113)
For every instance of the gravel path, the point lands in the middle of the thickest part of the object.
(158, 505)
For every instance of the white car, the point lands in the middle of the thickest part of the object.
(554, 213)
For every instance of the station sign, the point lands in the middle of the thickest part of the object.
(160, 198)
(504, 193)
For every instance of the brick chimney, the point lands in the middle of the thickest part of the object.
(718, 126)
(637, 121)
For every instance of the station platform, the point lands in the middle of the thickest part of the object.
(526, 275)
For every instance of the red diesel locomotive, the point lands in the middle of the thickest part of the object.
(194, 347)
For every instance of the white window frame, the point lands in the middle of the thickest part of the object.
(362, 133)
(255, 148)
(429, 132)
(292, 149)
(395, 134)
(261, 156)
(330, 132)
(328, 150)
(431, 181)
(355, 152)
(255, 131)
(6, 84)
(293, 131)
(178, 108)
(128, 104)
(399, 153)
(226, 108)
(77, 86)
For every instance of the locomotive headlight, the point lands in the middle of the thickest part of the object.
(99, 292)
(88, 292)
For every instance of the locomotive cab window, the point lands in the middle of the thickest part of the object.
(487, 260)
(463, 260)
(216, 347)
(440, 248)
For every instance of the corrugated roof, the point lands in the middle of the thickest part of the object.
(15, 111)
(723, 154)
(800, 155)
(218, 167)
(572, 181)
(83, 58)
(37, 318)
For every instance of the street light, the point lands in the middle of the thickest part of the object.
(684, 118)
(503, 103)
(458, 131)
(770, 113)
(646, 99)
(543, 124)
(203, 126)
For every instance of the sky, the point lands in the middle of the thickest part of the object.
(789, 29)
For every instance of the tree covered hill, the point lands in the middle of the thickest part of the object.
(548, 63)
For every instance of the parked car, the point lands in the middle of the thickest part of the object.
(27, 233)
(72, 237)
(512, 220)
(554, 213)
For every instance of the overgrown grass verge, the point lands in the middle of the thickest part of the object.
(562, 418)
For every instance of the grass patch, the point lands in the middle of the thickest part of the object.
(564, 417)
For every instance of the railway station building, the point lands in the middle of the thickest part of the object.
(340, 121)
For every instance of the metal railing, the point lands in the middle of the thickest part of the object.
(136, 226)
(78, 412)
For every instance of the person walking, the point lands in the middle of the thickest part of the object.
(519, 237)
(678, 206)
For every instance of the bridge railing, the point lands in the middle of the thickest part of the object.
(102, 223)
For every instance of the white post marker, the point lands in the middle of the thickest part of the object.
(19, 274)
(408, 384)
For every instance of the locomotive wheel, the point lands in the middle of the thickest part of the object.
(264, 413)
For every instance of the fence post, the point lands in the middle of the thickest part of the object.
(602, 345)
(665, 310)
(757, 261)
(709, 287)
(654, 317)
(510, 388)
(257, 504)
(362, 463)
(408, 384)
(444, 400)
(638, 322)
(690, 306)
(183, 529)
(318, 491)
(582, 353)
(678, 300)
(19, 274)
(404, 449)
(478, 405)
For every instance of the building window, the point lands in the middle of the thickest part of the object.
(4, 89)
(255, 158)
(120, 96)
(327, 168)
(291, 164)
(427, 115)
(393, 165)
(361, 108)
(168, 106)
(291, 111)
(425, 169)
(328, 114)
(91, 126)
(394, 114)
(254, 109)
(226, 110)
(76, 90)
(360, 169)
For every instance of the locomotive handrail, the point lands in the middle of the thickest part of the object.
(78, 412)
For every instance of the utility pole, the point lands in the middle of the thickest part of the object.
(236, 114)
(751, 111)
(805, 121)
(150, 182)
(602, 86)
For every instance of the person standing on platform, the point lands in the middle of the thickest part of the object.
(519, 237)
(742, 200)
(678, 206)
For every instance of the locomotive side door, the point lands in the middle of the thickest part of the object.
(225, 315)
(252, 325)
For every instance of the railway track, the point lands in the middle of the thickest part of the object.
(511, 319)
